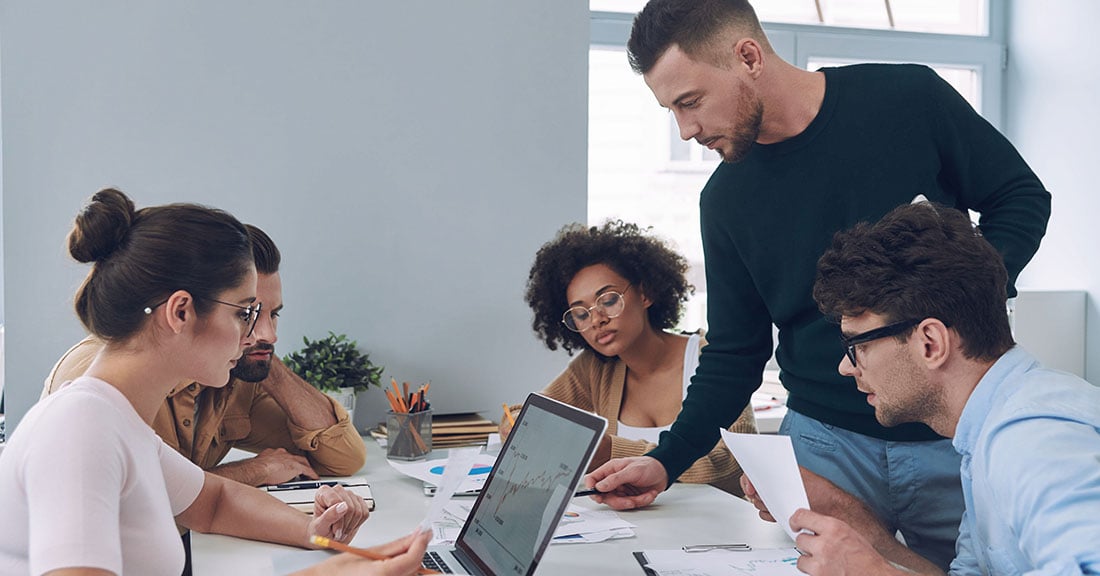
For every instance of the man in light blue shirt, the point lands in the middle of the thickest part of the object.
(920, 297)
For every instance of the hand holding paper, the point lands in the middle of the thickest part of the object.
(769, 460)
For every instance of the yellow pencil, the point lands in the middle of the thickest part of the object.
(508, 414)
(341, 547)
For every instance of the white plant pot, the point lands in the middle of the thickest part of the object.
(346, 398)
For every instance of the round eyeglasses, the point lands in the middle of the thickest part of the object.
(248, 315)
(610, 304)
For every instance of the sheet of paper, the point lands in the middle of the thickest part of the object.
(593, 537)
(446, 528)
(764, 562)
(578, 520)
(432, 471)
(578, 524)
(769, 462)
(459, 463)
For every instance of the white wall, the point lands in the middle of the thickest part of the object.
(408, 158)
(1051, 85)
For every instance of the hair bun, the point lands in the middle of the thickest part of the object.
(101, 226)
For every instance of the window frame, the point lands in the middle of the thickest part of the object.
(798, 43)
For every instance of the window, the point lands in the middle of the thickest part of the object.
(962, 78)
(937, 16)
(639, 169)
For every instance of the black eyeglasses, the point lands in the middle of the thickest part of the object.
(610, 304)
(248, 315)
(876, 334)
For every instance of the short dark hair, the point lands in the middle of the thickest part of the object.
(264, 251)
(643, 260)
(142, 256)
(920, 261)
(693, 25)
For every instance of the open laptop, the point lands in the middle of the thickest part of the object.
(526, 493)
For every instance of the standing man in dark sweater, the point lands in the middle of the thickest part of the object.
(807, 154)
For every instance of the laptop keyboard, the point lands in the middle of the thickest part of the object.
(434, 561)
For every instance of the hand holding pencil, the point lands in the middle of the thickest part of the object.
(402, 557)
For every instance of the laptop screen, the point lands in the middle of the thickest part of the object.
(530, 486)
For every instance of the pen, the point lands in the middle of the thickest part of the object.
(508, 415)
(709, 547)
(302, 485)
(587, 492)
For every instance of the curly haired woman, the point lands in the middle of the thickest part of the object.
(613, 292)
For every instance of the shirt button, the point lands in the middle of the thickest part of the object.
(187, 422)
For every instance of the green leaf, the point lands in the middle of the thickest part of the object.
(334, 362)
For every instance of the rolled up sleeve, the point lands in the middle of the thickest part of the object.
(334, 451)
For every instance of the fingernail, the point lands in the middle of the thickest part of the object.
(341, 507)
(339, 534)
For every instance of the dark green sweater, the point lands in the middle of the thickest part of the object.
(884, 134)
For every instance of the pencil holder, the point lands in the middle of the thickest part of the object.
(408, 434)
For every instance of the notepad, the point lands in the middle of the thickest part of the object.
(300, 495)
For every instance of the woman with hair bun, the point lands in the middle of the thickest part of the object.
(86, 487)
(613, 292)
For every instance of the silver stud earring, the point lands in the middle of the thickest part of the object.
(148, 310)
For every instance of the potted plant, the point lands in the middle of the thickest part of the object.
(335, 366)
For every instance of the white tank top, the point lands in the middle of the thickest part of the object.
(652, 434)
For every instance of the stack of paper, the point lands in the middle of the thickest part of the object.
(450, 430)
(469, 429)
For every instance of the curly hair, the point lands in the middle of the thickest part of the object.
(920, 261)
(630, 251)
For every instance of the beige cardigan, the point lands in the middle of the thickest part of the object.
(596, 385)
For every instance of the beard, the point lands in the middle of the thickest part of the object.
(248, 370)
(912, 398)
(745, 133)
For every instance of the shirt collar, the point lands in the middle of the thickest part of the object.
(183, 387)
(978, 406)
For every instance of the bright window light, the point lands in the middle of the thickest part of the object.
(968, 17)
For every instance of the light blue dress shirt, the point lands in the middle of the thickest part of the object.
(1030, 444)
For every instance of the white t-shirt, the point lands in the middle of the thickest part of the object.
(653, 435)
(84, 481)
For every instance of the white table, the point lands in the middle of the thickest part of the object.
(685, 514)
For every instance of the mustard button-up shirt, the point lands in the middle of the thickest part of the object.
(203, 423)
